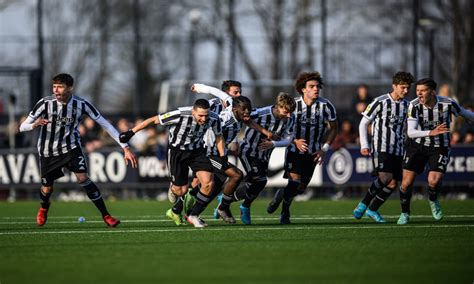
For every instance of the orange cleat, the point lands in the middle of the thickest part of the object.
(111, 221)
(42, 216)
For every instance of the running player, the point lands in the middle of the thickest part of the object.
(187, 127)
(314, 114)
(387, 114)
(429, 118)
(59, 146)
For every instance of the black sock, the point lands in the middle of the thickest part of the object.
(380, 198)
(45, 199)
(433, 193)
(374, 189)
(216, 189)
(194, 191)
(178, 205)
(226, 200)
(405, 198)
(202, 200)
(253, 191)
(94, 195)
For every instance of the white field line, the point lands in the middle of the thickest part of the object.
(232, 228)
(208, 218)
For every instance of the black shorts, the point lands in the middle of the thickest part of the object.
(220, 168)
(301, 164)
(417, 156)
(254, 167)
(388, 163)
(74, 160)
(179, 162)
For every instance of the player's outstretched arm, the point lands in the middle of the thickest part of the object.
(204, 89)
(252, 124)
(127, 135)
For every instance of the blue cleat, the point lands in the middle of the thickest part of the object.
(360, 210)
(216, 213)
(436, 210)
(375, 215)
(245, 215)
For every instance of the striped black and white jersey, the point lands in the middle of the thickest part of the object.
(311, 122)
(216, 105)
(388, 119)
(252, 138)
(184, 132)
(230, 129)
(61, 134)
(429, 118)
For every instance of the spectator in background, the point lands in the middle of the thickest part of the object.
(140, 138)
(455, 138)
(345, 136)
(361, 99)
(469, 138)
(162, 144)
(90, 132)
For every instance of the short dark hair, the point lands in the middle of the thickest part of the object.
(242, 102)
(403, 78)
(430, 83)
(230, 83)
(201, 103)
(305, 77)
(63, 78)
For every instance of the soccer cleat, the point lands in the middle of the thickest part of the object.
(245, 215)
(196, 221)
(215, 214)
(176, 218)
(219, 200)
(375, 215)
(111, 221)
(360, 210)
(436, 210)
(42, 216)
(403, 219)
(275, 203)
(189, 201)
(285, 219)
(226, 215)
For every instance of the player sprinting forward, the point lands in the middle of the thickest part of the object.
(232, 118)
(313, 115)
(388, 115)
(255, 149)
(229, 89)
(58, 117)
(187, 126)
(429, 117)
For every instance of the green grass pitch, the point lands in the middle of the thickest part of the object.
(323, 245)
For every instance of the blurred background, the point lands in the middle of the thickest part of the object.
(134, 58)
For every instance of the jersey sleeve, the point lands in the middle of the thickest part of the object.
(372, 110)
(330, 112)
(38, 110)
(91, 111)
(217, 127)
(169, 118)
(412, 112)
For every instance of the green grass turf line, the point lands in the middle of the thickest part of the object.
(324, 244)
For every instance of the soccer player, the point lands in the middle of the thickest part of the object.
(314, 115)
(187, 127)
(232, 120)
(59, 146)
(387, 114)
(255, 149)
(429, 118)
